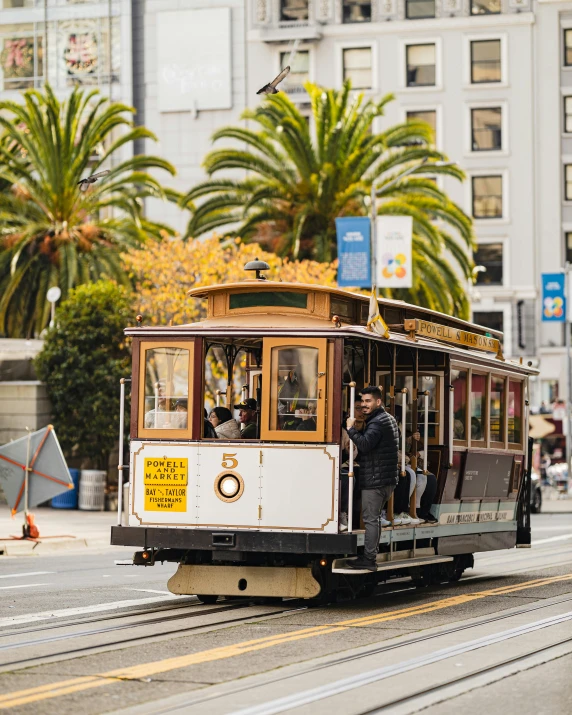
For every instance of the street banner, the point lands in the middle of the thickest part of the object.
(394, 266)
(553, 298)
(354, 251)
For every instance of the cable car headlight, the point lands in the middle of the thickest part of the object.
(229, 486)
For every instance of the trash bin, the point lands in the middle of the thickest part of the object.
(68, 500)
(92, 490)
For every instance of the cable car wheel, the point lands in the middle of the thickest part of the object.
(207, 599)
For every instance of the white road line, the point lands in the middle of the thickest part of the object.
(65, 612)
(23, 575)
(149, 590)
(24, 585)
(564, 537)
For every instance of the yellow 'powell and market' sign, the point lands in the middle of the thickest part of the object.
(425, 329)
(166, 483)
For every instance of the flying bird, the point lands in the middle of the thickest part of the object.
(271, 87)
(84, 183)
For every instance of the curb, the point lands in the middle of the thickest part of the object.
(28, 548)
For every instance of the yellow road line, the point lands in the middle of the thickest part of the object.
(134, 672)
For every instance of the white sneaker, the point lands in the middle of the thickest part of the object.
(396, 520)
(415, 521)
(383, 522)
(343, 521)
(405, 518)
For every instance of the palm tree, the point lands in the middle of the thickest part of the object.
(51, 232)
(298, 181)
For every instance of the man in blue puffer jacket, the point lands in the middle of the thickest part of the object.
(377, 447)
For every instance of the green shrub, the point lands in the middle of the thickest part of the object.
(84, 356)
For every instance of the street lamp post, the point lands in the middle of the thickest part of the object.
(53, 295)
(373, 232)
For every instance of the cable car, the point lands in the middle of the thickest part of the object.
(260, 514)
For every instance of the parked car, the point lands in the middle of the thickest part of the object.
(535, 492)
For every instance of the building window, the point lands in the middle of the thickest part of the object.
(429, 116)
(18, 3)
(21, 57)
(485, 61)
(485, 7)
(568, 246)
(489, 256)
(492, 319)
(568, 182)
(420, 65)
(487, 196)
(356, 11)
(299, 71)
(294, 10)
(486, 129)
(357, 67)
(567, 48)
(568, 114)
(419, 9)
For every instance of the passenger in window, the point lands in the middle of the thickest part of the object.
(307, 418)
(377, 447)
(247, 410)
(208, 429)
(426, 487)
(225, 426)
(181, 416)
(158, 417)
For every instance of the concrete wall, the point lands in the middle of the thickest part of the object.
(23, 404)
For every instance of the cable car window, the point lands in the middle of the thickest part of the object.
(515, 412)
(269, 299)
(431, 384)
(294, 374)
(166, 388)
(342, 308)
(459, 382)
(478, 407)
(497, 409)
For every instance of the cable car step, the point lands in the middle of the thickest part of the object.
(340, 565)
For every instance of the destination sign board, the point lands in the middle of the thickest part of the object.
(166, 482)
(425, 329)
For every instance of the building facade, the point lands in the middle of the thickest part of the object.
(493, 78)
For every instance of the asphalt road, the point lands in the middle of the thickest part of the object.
(79, 632)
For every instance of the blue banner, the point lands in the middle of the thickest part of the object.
(354, 251)
(553, 298)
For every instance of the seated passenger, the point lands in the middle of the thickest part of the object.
(181, 417)
(156, 417)
(208, 429)
(426, 489)
(247, 418)
(307, 418)
(225, 426)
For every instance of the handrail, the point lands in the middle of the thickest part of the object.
(120, 466)
(451, 422)
(425, 430)
(218, 394)
(352, 386)
(403, 429)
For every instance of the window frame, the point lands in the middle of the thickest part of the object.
(476, 106)
(269, 400)
(481, 14)
(161, 434)
(421, 43)
(420, 17)
(504, 443)
(516, 378)
(430, 40)
(355, 22)
(504, 193)
(565, 31)
(468, 60)
(567, 198)
(427, 108)
(565, 115)
(463, 442)
(357, 45)
(299, 95)
(505, 263)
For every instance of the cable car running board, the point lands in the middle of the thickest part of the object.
(340, 565)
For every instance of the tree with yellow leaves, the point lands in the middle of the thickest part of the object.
(163, 273)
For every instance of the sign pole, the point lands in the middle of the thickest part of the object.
(373, 244)
(567, 328)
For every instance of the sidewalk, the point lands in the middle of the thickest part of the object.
(70, 529)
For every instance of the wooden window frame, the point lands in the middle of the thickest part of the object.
(463, 442)
(516, 446)
(479, 443)
(160, 434)
(504, 443)
(269, 400)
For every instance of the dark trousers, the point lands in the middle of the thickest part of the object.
(428, 496)
(372, 502)
(401, 494)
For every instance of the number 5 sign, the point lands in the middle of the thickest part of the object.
(229, 461)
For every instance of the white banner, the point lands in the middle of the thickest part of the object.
(393, 251)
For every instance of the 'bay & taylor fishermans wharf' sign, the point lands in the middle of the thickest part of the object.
(425, 329)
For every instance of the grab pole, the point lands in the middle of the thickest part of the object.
(451, 423)
(351, 461)
(426, 431)
(120, 467)
(403, 429)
